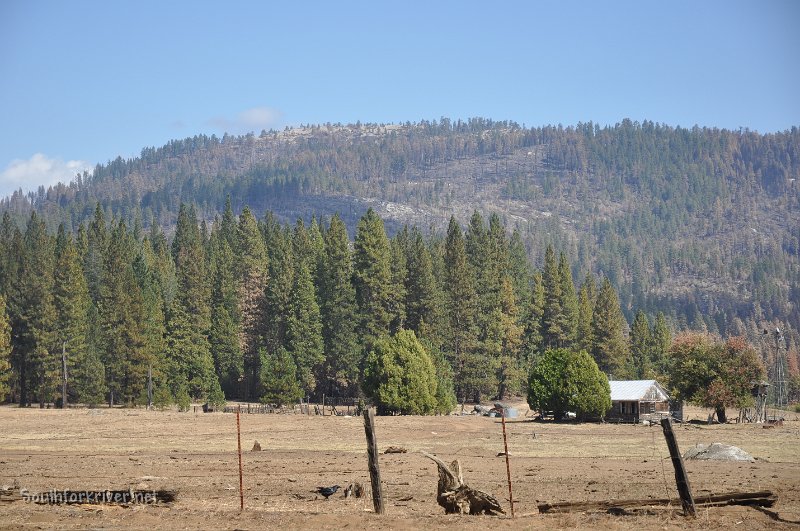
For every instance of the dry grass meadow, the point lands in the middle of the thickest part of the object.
(195, 454)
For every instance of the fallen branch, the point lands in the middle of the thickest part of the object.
(760, 499)
(458, 498)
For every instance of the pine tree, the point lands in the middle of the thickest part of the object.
(228, 228)
(423, 308)
(277, 297)
(398, 253)
(569, 303)
(5, 352)
(586, 300)
(554, 334)
(519, 267)
(372, 279)
(461, 306)
(339, 373)
(510, 372)
(251, 256)
(94, 259)
(279, 378)
(71, 299)
(224, 333)
(661, 338)
(302, 247)
(479, 258)
(146, 268)
(189, 321)
(532, 340)
(637, 364)
(8, 258)
(304, 329)
(608, 328)
(121, 320)
(41, 352)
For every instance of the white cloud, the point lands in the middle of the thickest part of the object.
(39, 170)
(254, 120)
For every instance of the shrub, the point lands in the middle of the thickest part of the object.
(562, 380)
(400, 377)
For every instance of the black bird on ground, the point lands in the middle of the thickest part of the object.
(328, 491)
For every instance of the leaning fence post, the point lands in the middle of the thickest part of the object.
(372, 451)
(682, 480)
(508, 466)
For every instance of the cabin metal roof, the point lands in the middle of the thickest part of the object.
(637, 390)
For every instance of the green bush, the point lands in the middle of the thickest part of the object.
(400, 376)
(562, 380)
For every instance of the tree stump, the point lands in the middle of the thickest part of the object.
(456, 496)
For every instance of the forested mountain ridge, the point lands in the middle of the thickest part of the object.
(702, 224)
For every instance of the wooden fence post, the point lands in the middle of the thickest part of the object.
(374, 470)
(682, 480)
(239, 444)
(64, 375)
(508, 466)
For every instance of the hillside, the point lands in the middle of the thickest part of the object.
(703, 224)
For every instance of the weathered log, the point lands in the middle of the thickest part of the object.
(761, 498)
(456, 497)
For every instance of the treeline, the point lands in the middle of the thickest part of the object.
(254, 309)
(698, 223)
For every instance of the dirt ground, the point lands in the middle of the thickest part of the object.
(195, 454)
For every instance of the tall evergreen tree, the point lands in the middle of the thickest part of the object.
(71, 299)
(586, 300)
(661, 341)
(121, 319)
(8, 259)
(461, 307)
(5, 352)
(188, 350)
(638, 363)
(532, 340)
(224, 333)
(304, 329)
(398, 259)
(338, 310)
(519, 267)
(608, 328)
(94, 259)
(228, 226)
(554, 331)
(423, 308)
(40, 353)
(372, 279)
(277, 297)
(252, 275)
(569, 303)
(511, 373)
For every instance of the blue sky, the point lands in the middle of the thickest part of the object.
(85, 81)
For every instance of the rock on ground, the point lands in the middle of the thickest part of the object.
(718, 452)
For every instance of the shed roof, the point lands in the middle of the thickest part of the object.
(637, 390)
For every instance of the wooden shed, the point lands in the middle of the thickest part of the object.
(638, 400)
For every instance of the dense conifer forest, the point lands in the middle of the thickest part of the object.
(259, 267)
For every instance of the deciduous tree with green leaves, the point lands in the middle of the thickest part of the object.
(711, 373)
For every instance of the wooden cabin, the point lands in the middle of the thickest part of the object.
(637, 401)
